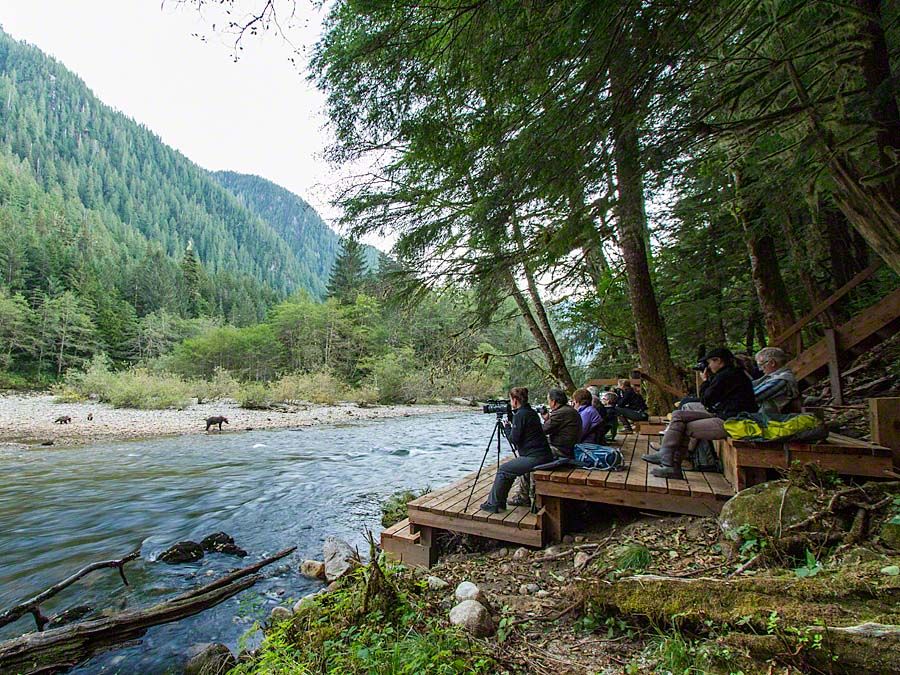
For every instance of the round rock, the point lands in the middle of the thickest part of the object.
(209, 659)
(314, 569)
(473, 617)
(279, 614)
(468, 591)
(521, 553)
(436, 583)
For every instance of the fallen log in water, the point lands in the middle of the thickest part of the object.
(62, 648)
(32, 605)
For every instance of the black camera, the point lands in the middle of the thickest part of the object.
(497, 407)
(700, 366)
(543, 410)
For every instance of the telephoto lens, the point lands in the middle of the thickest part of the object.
(497, 407)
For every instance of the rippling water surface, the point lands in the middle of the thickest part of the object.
(62, 509)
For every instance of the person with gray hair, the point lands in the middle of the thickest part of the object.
(777, 388)
(562, 424)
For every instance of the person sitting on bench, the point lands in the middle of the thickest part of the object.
(592, 423)
(562, 424)
(526, 435)
(777, 389)
(631, 406)
(726, 391)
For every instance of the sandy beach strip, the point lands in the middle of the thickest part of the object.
(29, 419)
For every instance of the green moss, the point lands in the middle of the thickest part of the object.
(758, 509)
(847, 596)
(890, 533)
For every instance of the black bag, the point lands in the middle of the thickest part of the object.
(704, 457)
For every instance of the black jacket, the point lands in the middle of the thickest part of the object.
(526, 434)
(728, 393)
(563, 427)
(632, 400)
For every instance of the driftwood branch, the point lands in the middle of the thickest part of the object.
(62, 648)
(32, 605)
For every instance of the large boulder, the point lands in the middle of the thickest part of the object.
(209, 659)
(222, 543)
(182, 552)
(758, 509)
(473, 617)
(339, 557)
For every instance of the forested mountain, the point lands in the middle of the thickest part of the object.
(75, 145)
(314, 243)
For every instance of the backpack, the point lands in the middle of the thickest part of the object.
(704, 457)
(602, 457)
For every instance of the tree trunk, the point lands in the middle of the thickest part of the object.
(847, 250)
(650, 332)
(771, 291)
(869, 207)
(559, 369)
(876, 69)
(801, 256)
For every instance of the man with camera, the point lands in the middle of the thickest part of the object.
(562, 424)
(726, 392)
(526, 435)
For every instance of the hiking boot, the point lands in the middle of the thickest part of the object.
(519, 500)
(664, 471)
(653, 457)
(493, 508)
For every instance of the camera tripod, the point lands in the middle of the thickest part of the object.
(498, 432)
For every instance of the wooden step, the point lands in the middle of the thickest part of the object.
(403, 545)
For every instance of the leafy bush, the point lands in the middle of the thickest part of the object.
(96, 380)
(320, 387)
(393, 510)
(363, 396)
(136, 388)
(222, 385)
(254, 396)
(139, 388)
(390, 375)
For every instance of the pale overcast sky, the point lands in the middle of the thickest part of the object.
(258, 115)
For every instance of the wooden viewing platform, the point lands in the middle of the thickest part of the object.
(700, 493)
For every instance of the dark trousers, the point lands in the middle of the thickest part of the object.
(509, 471)
(634, 415)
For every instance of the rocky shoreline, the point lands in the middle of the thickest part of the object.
(28, 420)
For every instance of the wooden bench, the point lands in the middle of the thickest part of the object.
(747, 463)
(699, 493)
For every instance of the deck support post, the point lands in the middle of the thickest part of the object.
(834, 368)
(884, 421)
(553, 525)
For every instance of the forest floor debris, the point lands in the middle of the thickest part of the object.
(29, 419)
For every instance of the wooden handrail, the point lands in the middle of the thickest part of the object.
(668, 388)
(779, 340)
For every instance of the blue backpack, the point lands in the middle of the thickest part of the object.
(602, 457)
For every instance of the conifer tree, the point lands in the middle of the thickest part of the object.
(348, 275)
(191, 282)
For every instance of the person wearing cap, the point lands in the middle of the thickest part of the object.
(726, 392)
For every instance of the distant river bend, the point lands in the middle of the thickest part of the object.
(61, 509)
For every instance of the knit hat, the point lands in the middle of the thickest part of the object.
(720, 353)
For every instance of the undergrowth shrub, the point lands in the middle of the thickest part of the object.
(222, 385)
(321, 387)
(135, 388)
(393, 510)
(636, 557)
(254, 396)
(376, 622)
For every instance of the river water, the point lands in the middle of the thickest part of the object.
(61, 509)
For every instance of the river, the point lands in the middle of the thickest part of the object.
(61, 509)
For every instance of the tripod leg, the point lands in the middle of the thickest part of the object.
(481, 466)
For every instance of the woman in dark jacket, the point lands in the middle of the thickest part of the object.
(526, 435)
(725, 392)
